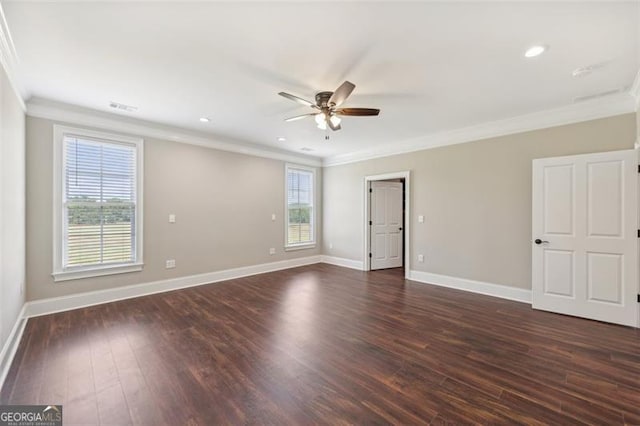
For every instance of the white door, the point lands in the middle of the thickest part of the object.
(585, 242)
(386, 224)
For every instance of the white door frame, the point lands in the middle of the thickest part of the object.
(407, 209)
(637, 149)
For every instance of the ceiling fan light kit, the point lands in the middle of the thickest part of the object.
(327, 103)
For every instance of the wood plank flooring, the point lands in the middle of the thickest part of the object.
(326, 345)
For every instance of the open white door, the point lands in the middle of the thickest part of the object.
(585, 242)
(386, 225)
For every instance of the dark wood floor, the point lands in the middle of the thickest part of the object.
(322, 344)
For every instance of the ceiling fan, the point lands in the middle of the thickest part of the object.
(327, 113)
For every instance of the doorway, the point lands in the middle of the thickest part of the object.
(387, 207)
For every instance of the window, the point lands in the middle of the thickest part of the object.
(97, 204)
(300, 214)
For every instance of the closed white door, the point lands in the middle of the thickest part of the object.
(386, 224)
(585, 242)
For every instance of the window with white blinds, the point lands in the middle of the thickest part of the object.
(99, 202)
(300, 213)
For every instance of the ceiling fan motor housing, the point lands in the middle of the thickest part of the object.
(322, 99)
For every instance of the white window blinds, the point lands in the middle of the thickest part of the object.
(99, 202)
(300, 188)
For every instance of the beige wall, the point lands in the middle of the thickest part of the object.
(638, 125)
(476, 199)
(12, 208)
(222, 201)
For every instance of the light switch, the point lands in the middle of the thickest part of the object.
(421, 219)
(273, 216)
(172, 218)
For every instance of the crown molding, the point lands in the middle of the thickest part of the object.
(584, 111)
(9, 60)
(71, 114)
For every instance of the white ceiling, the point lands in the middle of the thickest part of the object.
(430, 67)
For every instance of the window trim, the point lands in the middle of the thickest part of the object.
(60, 273)
(307, 245)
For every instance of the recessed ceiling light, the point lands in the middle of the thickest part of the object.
(205, 119)
(281, 139)
(534, 51)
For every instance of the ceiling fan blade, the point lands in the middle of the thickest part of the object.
(297, 99)
(332, 126)
(299, 117)
(341, 93)
(358, 112)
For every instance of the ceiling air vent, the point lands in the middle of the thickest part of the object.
(597, 95)
(307, 149)
(122, 107)
(585, 71)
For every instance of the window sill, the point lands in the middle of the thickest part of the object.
(76, 274)
(300, 247)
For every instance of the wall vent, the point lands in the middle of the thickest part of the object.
(122, 107)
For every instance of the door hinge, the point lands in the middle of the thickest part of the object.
(369, 254)
(371, 223)
(638, 168)
(639, 298)
(371, 189)
(638, 233)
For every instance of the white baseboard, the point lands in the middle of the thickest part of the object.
(340, 261)
(489, 289)
(81, 300)
(11, 345)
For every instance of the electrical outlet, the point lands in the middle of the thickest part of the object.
(272, 251)
(330, 246)
(171, 263)
(421, 258)
(172, 218)
(421, 219)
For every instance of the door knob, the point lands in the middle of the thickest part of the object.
(539, 241)
(399, 229)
